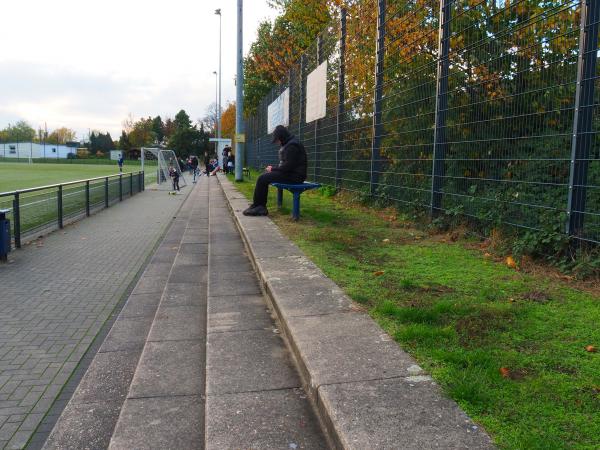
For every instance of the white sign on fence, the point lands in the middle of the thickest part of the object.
(278, 112)
(316, 93)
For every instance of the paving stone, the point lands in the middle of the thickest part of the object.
(279, 419)
(170, 368)
(150, 284)
(178, 323)
(142, 305)
(194, 249)
(188, 274)
(184, 295)
(248, 361)
(426, 419)
(84, 426)
(238, 313)
(127, 334)
(108, 377)
(160, 423)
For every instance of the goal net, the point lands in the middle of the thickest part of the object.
(160, 162)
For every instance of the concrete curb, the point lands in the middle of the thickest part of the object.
(366, 391)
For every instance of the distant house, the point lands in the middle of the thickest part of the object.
(34, 150)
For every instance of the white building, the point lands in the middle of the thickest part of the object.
(33, 150)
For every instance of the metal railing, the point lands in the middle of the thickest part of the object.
(47, 207)
(490, 110)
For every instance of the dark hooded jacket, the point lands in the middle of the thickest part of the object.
(292, 159)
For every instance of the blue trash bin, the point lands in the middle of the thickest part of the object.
(4, 235)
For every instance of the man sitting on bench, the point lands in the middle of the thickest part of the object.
(291, 169)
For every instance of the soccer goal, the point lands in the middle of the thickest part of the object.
(161, 161)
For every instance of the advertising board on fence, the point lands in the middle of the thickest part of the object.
(278, 112)
(316, 93)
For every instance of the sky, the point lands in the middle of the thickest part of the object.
(88, 64)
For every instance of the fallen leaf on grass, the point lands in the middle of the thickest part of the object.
(510, 262)
(505, 372)
(386, 241)
(591, 349)
(378, 273)
(487, 255)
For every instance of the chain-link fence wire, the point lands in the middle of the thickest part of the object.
(505, 138)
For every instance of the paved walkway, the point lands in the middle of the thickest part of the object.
(194, 360)
(55, 297)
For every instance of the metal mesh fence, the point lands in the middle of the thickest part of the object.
(489, 110)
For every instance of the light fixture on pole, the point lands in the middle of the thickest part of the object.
(218, 13)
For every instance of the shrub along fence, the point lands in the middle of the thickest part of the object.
(484, 109)
(48, 207)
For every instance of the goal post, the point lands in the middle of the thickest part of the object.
(161, 160)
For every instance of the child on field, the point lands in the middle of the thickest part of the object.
(175, 178)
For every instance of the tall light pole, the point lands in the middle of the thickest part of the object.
(218, 13)
(240, 138)
(216, 102)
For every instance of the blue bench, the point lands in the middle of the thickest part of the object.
(296, 190)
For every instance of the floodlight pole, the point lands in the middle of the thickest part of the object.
(239, 105)
(218, 13)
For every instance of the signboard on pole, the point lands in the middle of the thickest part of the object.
(278, 112)
(316, 93)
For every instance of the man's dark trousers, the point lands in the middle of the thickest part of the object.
(262, 185)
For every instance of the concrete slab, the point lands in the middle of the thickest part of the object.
(237, 263)
(238, 313)
(127, 334)
(170, 368)
(84, 426)
(180, 294)
(248, 361)
(150, 284)
(232, 283)
(409, 415)
(178, 323)
(262, 420)
(191, 249)
(188, 273)
(199, 259)
(108, 377)
(227, 248)
(160, 423)
(340, 359)
(141, 305)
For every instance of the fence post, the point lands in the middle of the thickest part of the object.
(377, 107)
(441, 107)
(106, 192)
(120, 187)
(17, 220)
(59, 195)
(317, 166)
(302, 97)
(143, 175)
(341, 110)
(87, 198)
(131, 184)
(582, 122)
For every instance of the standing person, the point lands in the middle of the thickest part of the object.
(226, 153)
(291, 169)
(175, 178)
(230, 163)
(120, 162)
(207, 163)
(194, 166)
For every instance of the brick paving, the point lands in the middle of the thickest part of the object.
(55, 296)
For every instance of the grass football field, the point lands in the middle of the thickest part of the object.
(15, 176)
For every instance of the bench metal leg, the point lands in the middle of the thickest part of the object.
(296, 209)
(279, 197)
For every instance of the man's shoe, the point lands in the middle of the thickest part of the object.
(256, 211)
